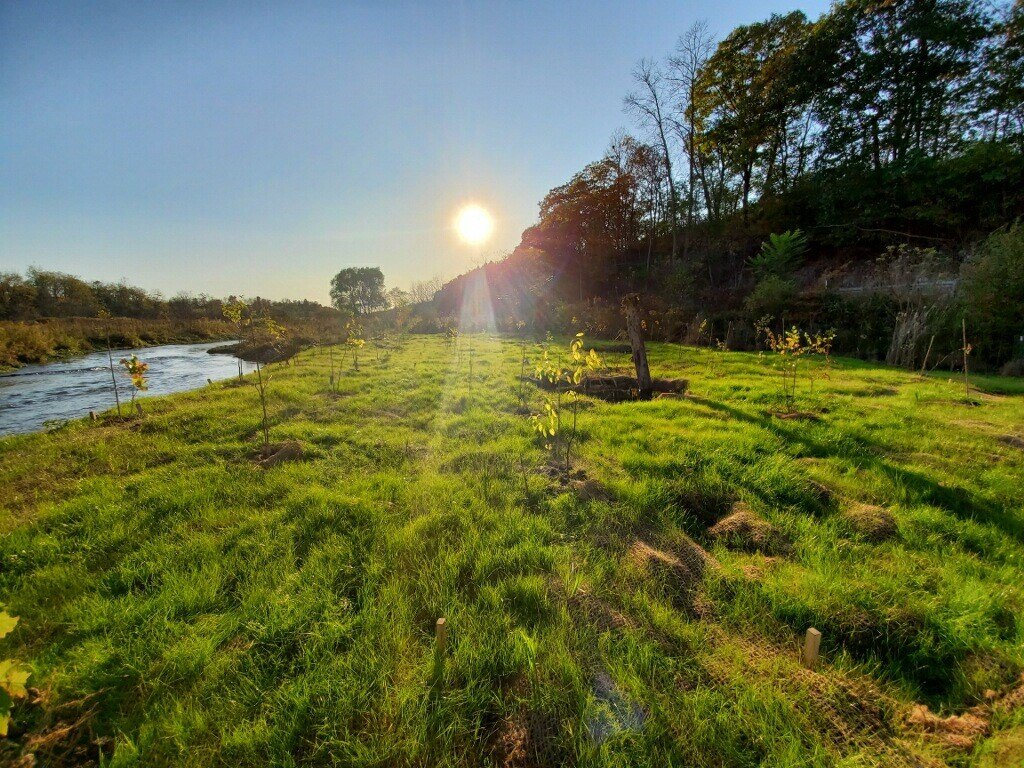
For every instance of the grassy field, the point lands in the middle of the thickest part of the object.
(181, 605)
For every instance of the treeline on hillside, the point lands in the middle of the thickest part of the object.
(47, 315)
(43, 294)
(889, 132)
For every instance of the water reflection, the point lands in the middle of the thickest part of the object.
(36, 394)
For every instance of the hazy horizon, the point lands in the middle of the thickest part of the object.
(257, 150)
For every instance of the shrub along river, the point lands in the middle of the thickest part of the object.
(36, 396)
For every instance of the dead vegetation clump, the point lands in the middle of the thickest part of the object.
(745, 530)
(271, 455)
(529, 739)
(590, 490)
(510, 745)
(960, 731)
(682, 571)
(965, 730)
(65, 735)
(872, 522)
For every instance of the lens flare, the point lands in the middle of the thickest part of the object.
(474, 224)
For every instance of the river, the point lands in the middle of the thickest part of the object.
(32, 396)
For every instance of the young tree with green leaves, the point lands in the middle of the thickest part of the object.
(359, 290)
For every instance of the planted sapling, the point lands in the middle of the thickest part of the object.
(110, 361)
(263, 332)
(549, 423)
(13, 675)
(236, 311)
(136, 370)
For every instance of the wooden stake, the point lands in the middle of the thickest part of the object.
(92, 415)
(441, 635)
(811, 645)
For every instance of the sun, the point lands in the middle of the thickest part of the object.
(474, 224)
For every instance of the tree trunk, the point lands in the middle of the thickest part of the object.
(631, 309)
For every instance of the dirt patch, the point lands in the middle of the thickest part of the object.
(268, 456)
(872, 522)
(822, 492)
(590, 490)
(795, 415)
(1014, 441)
(747, 531)
(556, 471)
(615, 388)
(850, 712)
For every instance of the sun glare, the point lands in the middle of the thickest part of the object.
(474, 224)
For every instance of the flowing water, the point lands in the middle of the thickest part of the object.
(37, 394)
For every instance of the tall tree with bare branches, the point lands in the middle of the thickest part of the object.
(650, 104)
(693, 50)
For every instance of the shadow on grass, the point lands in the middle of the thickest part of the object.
(954, 499)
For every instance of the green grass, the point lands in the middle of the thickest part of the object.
(181, 606)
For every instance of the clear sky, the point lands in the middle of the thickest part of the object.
(256, 148)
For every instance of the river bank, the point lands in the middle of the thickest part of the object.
(35, 397)
(43, 341)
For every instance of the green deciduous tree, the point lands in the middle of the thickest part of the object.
(359, 290)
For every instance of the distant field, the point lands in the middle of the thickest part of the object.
(182, 606)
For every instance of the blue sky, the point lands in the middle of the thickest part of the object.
(257, 148)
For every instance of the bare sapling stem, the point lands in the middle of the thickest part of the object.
(966, 351)
(113, 378)
(927, 354)
(572, 433)
(261, 387)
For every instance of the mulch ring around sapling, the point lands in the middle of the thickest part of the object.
(267, 456)
(614, 387)
(796, 415)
